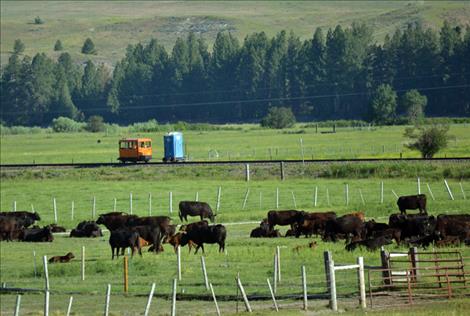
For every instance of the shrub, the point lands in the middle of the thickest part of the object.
(58, 46)
(18, 46)
(66, 125)
(428, 140)
(278, 117)
(88, 47)
(95, 124)
(38, 20)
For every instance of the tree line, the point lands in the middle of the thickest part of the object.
(343, 74)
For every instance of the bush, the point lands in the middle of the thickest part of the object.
(38, 20)
(18, 46)
(278, 117)
(66, 125)
(58, 46)
(428, 140)
(95, 124)
(20, 130)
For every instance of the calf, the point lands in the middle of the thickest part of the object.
(311, 245)
(175, 241)
(209, 235)
(412, 202)
(86, 229)
(314, 223)
(371, 244)
(123, 238)
(194, 208)
(62, 259)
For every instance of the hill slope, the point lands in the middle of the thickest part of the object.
(114, 25)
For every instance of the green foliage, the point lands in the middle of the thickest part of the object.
(58, 46)
(66, 125)
(428, 140)
(38, 20)
(95, 124)
(383, 104)
(278, 117)
(414, 104)
(88, 47)
(18, 47)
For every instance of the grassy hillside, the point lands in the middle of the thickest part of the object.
(114, 25)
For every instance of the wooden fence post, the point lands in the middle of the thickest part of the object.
(362, 285)
(277, 198)
(69, 307)
(430, 192)
(126, 274)
(72, 210)
(204, 272)
(149, 300)
(304, 287)
(219, 192)
(326, 262)
(245, 299)
(170, 201)
(178, 262)
(17, 305)
(316, 197)
(46, 273)
(448, 190)
(83, 263)
(414, 263)
(293, 199)
(381, 192)
(93, 210)
(333, 302)
(215, 300)
(55, 210)
(362, 197)
(173, 301)
(106, 305)
(272, 295)
(35, 265)
(247, 172)
(386, 273)
(246, 198)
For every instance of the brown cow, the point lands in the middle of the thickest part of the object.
(175, 241)
(311, 245)
(314, 223)
(62, 259)
(359, 215)
(412, 202)
(195, 225)
(288, 217)
(115, 220)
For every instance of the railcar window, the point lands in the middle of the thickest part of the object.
(142, 144)
(123, 145)
(148, 144)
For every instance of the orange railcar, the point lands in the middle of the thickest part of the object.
(135, 149)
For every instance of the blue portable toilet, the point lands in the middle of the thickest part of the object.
(174, 147)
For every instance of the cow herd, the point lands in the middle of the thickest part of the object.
(412, 229)
(135, 232)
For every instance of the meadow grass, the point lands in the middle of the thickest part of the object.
(249, 143)
(114, 25)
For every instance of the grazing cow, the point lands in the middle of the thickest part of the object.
(37, 235)
(193, 208)
(115, 220)
(153, 235)
(343, 226)
(314, 223)
(422, 241)
(164, 222)
(123, 238)
(86, 229)
(454, 225)
(412, 202)
(209, 235)
(413, 225)
(195, 225)
(283, 218)
(26, 219)
(371, 244)
(62, 259)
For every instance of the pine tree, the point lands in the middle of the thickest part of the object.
(88, 47)
(58, 46)
(18, 47)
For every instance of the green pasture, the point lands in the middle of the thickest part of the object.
(114, 25)
(245, 144)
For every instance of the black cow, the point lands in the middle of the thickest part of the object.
(314, 223)
(413, 225)
(164, 222)
(214, 234)
(288, 217)
(193, 208)
(37, 234)
(26, 219)
(9, 228)
(343, 226)
(123, 238)
(115, 220)
(453, 225)
(412, 202)
(153, 235)
(259, 232)
(195, 225)
(86, 229)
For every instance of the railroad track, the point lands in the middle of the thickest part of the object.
(225, 162)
